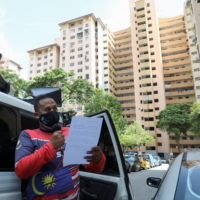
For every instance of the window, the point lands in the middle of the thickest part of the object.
(79, 70)
(87, 25)
(64, 45)
(154, 76)
(71, 64)
(31, 72)
(80, 29)
(80, 63)
(72, 57)
(80, 49)
(63, 59)
(64, 38)
(64, 32)
(80, 77)
(73, 24)
(71, 70)
(63, 51)
(51, 61)
(159, 144)
(31, 65)
(45, 57)
(45, 63)
(72, 43)
(79, 22)
(148, 4)
(155, 92)
(72, 31)
(72, 37)
(87, 76)
(87, 45)
(80, 42)
(39, 52)
(86, 67)
(50, 67)
(31, 59)
(72, 50)
(154, 84)
(51, 54)
(44, 70)
(159, 135)
(87, 38)
(197, 78)
(80, 55)
(151, 46)
(38, 71)
(87, 60)
(87, 53)
(39, 64)
(30, 78)
(156, 100)
(63, 64)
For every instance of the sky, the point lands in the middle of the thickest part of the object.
(28, 24)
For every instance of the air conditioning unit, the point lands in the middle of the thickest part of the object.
(194, 39)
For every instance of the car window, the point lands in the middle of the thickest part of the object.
(8, 135)
(130, 159)
(189, 181)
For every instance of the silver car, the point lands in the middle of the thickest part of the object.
(181, 181)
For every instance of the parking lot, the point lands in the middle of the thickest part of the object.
(138, 181)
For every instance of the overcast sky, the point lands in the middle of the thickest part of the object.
(28, 24)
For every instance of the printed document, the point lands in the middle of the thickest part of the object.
(84, 134)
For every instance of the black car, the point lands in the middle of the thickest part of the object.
(128, 167)
(134, 162)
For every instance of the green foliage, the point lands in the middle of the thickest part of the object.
(102, 100)
(195, 118)
(16, 82)
(175, 119)
(135, 135)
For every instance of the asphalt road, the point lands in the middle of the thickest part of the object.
(138, 181)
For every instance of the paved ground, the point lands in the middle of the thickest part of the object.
(138, 181)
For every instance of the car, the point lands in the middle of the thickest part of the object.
(111, 184)
(128, 167)
(155, 162)
(130, 153)
(134, 162)
(181, 181)
(158, 159)
(150, 158)
(144, 164)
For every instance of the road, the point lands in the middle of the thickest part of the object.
(138, 181)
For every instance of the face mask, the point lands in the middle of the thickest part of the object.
(49, 119)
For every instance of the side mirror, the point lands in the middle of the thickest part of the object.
(154, 182)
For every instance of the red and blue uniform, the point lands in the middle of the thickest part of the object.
(37, 160)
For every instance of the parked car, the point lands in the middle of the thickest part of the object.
(134, 162)
(130, 153)
(111, 184)
(158, 159)
(150, 158)
(144, 164)
(128, 167)
(181, 181)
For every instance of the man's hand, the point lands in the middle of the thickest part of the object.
(57, 139)
(96, 155)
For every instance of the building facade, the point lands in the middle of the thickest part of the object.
(151, 64)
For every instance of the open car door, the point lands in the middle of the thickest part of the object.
(113, 182)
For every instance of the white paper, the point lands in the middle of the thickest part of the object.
(84, 134)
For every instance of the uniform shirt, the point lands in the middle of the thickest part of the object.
(37, 160)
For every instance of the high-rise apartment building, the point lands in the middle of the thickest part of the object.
(6, 63)
(151, 64)
(43, 59)
(192, 18)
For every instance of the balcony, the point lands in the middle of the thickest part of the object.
(126, 98)
(144, 56)
(124, 71)
(127, 52)
(143, 49)
(142, 34)
(124, 58)
(123, 46)
(167, 24)
(180, 85)
(128, 105)
(125, 91)
(123, 41)
(124, 78)
(131, 119)
(120, 85)
(177, 93)
(189, 100)
(176, 56)
(177, 63)
(177, 78)
(170, 37)
(128, 64)
(146, 80)
(142, 12)
(128, 112)
(186, 142)
(173, 71)
(141, 27)
(173, 43)
(174, 49)
(169, 30)
(144, 41)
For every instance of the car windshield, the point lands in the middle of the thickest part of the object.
(189, 180)
(129, 153)
(129, 158)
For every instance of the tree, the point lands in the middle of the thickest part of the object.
(135, 135)
(175, 119)
(102, 100)
(16, 82)
(195, 118)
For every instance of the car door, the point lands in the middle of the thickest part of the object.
(113, 182)
(10, 184)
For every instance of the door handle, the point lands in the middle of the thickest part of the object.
(92, 196)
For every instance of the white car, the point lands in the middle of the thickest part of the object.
(112, 184)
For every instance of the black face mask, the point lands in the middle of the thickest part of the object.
(49, 119)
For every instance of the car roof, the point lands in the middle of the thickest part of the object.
(192, 155)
